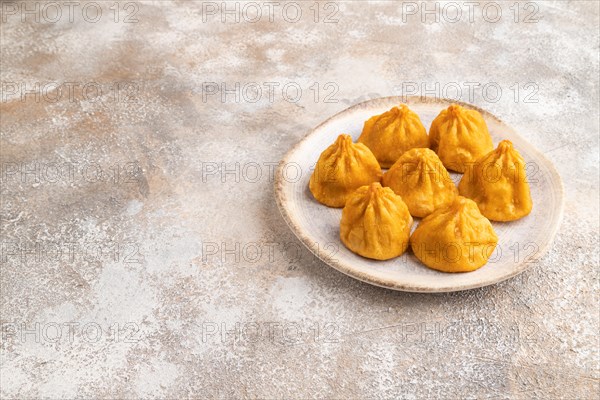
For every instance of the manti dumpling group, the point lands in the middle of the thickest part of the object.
(375, 223)
(341, 169)
(455, 233)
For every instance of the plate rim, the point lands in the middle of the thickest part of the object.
(294, 226)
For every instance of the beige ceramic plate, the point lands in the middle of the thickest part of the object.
(520, 244)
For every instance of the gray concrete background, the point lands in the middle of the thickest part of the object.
(199, 289)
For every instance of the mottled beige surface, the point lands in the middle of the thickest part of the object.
(296, 328)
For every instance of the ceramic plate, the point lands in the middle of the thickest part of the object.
(521, 243)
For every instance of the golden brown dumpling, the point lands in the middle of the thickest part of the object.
(498, 184)
(460, 137)
(390, 134)
(375, 223)
(342, 168)
(456, 238)
(422, 181)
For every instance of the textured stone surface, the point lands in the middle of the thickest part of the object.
(144, 153)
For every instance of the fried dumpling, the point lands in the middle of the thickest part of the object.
(421, 179)
(498, 184)
(341, 169)
(375, 223)
(390, 134)
(460, 137)
(456, 238)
